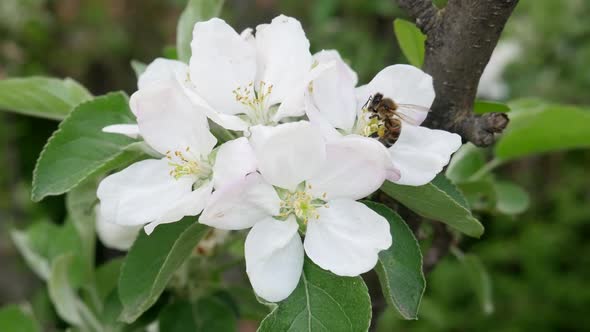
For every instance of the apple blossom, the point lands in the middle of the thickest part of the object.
(304, 185)
(337, 107)
(241, 80)
(164, 190)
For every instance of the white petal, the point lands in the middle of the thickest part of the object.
(227, 121)
(355, 167)
(293, 104)
(347, 238)
(404, 84)
(169, 122)
(241, 204)
(235, 159)
(115, 236)
(274, 258)
(221, 62)
(288, 153)
(319, 121)
(129, 130)
(141, 193)
(162, 70)
(190, 204)
(333, 91)
(283, 56)
(421, 153)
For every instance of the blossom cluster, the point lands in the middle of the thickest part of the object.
(307, 148)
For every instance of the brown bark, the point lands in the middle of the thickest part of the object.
(460, 39)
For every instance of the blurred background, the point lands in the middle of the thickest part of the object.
(538, 261)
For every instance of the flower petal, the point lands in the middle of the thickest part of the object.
(294, 104)
(355, 167)
(283, 56)
(129, 130)
(404, 84)
(274, 258)
(288, 153)
(115, 236)
(169, 122)
(346, 238)
(421, 153)
(333, 91)
(221, 62)
(162, 70)
(141, 193)
(190, 204)
(241, 204)
(235, 159)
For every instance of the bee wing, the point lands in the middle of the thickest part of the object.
(412, 114)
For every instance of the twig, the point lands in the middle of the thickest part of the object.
(460, 40)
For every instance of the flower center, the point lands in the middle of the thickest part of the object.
(369, 125)
(185, 163)
(255, 98)
(302, 204)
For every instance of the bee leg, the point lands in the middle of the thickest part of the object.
(374, 135)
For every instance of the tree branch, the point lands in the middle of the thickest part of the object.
(460, 40)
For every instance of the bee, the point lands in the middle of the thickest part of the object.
(388, 113)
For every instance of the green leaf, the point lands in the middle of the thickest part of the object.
(14, 318)
(80, 203)
(480, 194)
(510, 198)
(411, 41)
(322, 302)
(465, 163)
(438, 202)
(207, 314)
(400, 267)
(151, 261)
(138, 67)
(195, 11)
(42, 97)
(107, 277)
(486, 106)
(42, 242)
(535, 129)
(63, 295)
(79, 148)
(480, 280)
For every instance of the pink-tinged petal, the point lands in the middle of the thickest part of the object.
(421, 153)
(235, 159)
(141, 193)
(241, 204)
(288, 154)
(221, 62)
(169, 122)
(346, 238)
(355, 167)
(405, 85)
(274, 258)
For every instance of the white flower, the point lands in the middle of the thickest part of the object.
(239, 80)
(304, 185)
(115, 236)
(491, 85)
(156, 191)
(337, 107)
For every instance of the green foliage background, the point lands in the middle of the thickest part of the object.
(537, 261)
